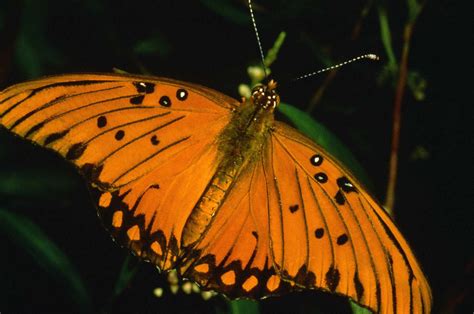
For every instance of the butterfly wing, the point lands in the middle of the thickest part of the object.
(234, 255)
(145, 145)
(332, 234)
(296, 219)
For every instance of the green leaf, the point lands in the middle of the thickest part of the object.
(318, 51)
(414, 9)
(33, 51)
(273, 52)
(227, 10)
(126, 274)
(357, 309)
(48, 256)
(321, 135)
(244, 307)
(156, 45)
(40, 183)
(417, 85)
(386, 36)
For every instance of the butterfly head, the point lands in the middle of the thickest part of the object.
(265, 96)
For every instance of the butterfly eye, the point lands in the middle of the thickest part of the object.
(258, 91)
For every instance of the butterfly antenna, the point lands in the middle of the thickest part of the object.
(370, 56)
(262, 55)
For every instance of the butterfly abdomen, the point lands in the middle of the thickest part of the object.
(206, 207)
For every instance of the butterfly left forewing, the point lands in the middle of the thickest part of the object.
(341, 239)
(88, 117)
(145, 145)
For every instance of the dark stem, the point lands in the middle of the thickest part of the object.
(318, 94)
(397, 106)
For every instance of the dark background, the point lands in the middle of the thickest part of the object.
(212, 43)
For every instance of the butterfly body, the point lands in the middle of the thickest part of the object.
(191, 179)
(240, 143)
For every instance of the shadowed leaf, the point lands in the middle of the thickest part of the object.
(244, 307)
(227, 10)
(46, 254)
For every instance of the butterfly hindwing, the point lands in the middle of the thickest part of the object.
(234, 254)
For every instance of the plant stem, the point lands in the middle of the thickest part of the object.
(318, 94)
(397, 105)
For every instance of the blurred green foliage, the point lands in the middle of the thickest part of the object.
(51, 259)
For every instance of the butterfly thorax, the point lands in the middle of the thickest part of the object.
(240, 144)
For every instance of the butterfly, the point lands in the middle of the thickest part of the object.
(193, 180)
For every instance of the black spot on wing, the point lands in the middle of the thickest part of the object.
(377, 294)
(181, 94)
(339, 198)
(54, 137)
(137, 100)
(294, 208)
(76, 151)
(34, 129)
(154, 140)
(342, 239)
(144, 87)
(319, 233)
(316, 160)
(305, 278)
(344, 184)
(91, 172)
(332, 278)
(358, 286)
(165, 101)
(101, 121)
(321, 177)
(119, 135)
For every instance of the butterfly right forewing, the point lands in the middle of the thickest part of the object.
(335, 236)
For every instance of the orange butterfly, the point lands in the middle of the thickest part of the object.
(191, 179)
